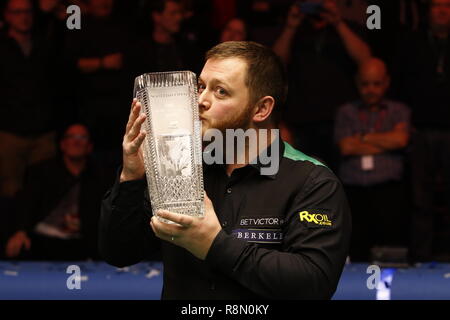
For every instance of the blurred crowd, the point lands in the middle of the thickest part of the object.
(374, 105)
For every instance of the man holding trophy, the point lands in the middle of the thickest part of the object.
(282, 234)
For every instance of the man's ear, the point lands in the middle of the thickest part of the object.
(263, 109)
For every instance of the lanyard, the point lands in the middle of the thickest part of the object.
(378, 123)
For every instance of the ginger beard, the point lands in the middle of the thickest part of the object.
(233, 121)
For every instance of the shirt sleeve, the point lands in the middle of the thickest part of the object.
(125, 235)
(315, 246)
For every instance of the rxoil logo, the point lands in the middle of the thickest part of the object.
(316, 218)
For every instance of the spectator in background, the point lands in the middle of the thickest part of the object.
(59, 205)
(196, 24)
(372, 134)
(27, 99)
(164, 49)
(234, 30)
(98, 53)
(322, 52)
(263, 18)
(51, 19)
(423, 81)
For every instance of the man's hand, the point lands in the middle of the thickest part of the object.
(16, 243)
(331, 12)
(283, 45)
(133, 160)
(194, 234)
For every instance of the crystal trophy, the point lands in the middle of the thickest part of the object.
(172, 149)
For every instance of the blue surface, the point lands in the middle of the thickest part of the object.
(428, 281)
(353, 284)
(45, 280)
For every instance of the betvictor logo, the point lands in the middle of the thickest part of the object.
(317, 218)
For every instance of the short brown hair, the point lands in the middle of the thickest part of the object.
(265, 72)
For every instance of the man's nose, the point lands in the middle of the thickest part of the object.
(203, 101)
